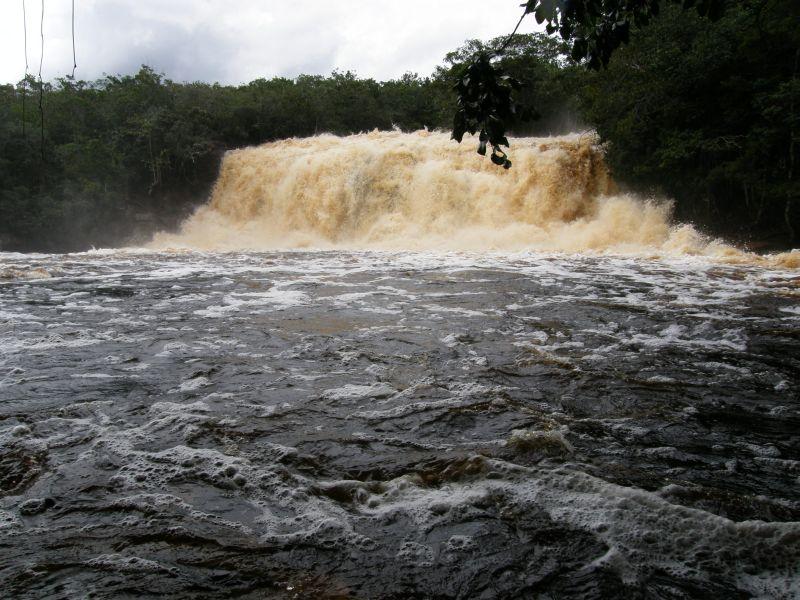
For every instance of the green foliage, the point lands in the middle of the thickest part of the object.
(124, 155)
(484, 105)
(594, 28)
(708, 113)
(498, 84)
(597, 28)
(128, 154)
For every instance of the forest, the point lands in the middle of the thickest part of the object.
(704, 112)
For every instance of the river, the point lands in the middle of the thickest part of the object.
(363, 424)
(380, 367)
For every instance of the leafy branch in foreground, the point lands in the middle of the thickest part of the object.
(595, 29)
(484, 105)
(598, 27)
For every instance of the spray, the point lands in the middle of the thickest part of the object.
(421, 191)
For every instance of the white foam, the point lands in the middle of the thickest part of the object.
(191, 385)
(354, 392)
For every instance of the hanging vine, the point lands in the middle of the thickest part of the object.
(74, 60)
(25, 78)
(41, 63)
(41, 83)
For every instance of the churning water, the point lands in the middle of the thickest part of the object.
(364, 423)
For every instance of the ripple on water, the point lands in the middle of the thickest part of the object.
(456, 426)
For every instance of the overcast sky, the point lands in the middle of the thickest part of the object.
(235, 41)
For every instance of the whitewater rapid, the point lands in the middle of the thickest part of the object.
(422, 191)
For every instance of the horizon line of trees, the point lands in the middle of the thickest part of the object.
(125, 155)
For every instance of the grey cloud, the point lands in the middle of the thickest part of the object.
(240, 40)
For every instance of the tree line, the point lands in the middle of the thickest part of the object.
(125, 155)
(707, 113)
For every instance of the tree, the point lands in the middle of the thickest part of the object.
(594, 29)
(708, 113)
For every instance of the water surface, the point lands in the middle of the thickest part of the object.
(397, 425)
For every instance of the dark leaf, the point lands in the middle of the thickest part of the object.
(579, 48)
(459, 126)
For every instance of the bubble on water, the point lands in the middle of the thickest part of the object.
(273, 464)
(460, 543)
(9, 521)
(418, 555)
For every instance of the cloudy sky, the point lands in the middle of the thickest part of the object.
(239, 40)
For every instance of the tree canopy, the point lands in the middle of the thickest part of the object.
(708, 113)
(127, 154)
(702, 111)
(592, 29)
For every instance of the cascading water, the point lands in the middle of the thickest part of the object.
(422, 191)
